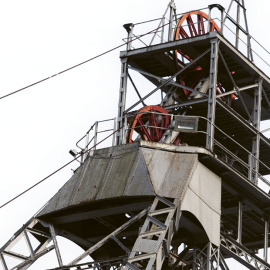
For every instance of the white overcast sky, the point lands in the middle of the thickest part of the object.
(41, 124)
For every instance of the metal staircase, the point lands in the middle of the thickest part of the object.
(154, 240)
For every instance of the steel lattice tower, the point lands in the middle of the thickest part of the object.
(180, 187)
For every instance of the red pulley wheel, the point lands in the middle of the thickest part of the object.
(150, 122)
(191, 24)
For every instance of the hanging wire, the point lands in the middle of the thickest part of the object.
(65, 165)
(82, 63)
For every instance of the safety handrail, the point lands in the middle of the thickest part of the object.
(230, 154)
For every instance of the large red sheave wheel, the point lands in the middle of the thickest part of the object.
(157, 120)
(189, 25)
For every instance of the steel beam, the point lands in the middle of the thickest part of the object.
(121, 101)
(104, 240)
(168, 46)
(3, 262)
(159, 26)
(207, 258)
(242, 254)
(58, 254)
(242, 121)
(254, 158)
(27, 263)
(237, 91)
(212, 94)
(136, 90)
(100, 213)
(266, 98)
(154, 240)
(29, 245)
(120, 244)
(266, 240)
(169, 82)
(170, 79)
(234, 84)
(172, 12)
(226, 44)
(240, 223)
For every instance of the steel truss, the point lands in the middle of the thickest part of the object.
(152, 247)
(240, 6)
(154, 240)
(35, 253)
(241, 254)
(207, 258)
(211, 97)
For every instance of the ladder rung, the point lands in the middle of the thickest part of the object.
(141, 257)
(157, 222)
(145, 234)
(161, 211)
(170, 204)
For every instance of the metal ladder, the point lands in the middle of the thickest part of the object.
(154, 240)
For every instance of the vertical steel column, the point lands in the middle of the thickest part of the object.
(240, 222)
(95, 135)
(237, 26)
(209, 18)
(266, 232)
(114, 129)
(212, 94)
(85, 150)
(222, 20)
(129, 28)
(122, 101)
(254, 160)
(2, 259)
(209, 256)
(59, 258)
(29, 245)
(162, 21)
(249, 51)
(172, 9)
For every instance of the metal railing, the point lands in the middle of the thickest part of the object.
(226, 147)
(163, 32)
(93, 139)
(153, 33)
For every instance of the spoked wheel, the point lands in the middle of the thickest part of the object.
(150, 123)
(191, 24)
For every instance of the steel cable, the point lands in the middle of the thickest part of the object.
(65, 165)
(84, 62)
